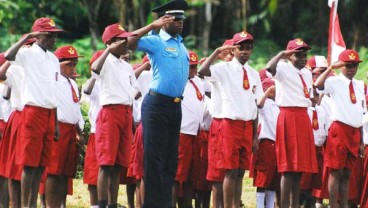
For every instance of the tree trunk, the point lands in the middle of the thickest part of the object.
(93, 8)
(207, 28)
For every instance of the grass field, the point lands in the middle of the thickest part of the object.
(80, 197)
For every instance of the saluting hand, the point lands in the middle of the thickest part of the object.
(288, 53)
(271, 90)
(115, 45)
(36, 34)
(337, 65)
(157, 24)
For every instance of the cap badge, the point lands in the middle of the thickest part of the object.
(52, 23)
(121, 28)
(352, 56)
(243, 34)
(71, 51)
(193, 57)
(299, 42)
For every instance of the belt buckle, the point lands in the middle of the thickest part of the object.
(176, 100)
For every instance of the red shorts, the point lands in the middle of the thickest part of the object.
(136, 167)
(265, 169)
(114, 135)
(4, 152)
(364, 196)
(213, 173)
(36, 135)
(200, 162)
(342, 146)
(356, 181)
(295, 149)
(64, 151)
(185, 157)
(90, 163)
(235, 145)
(13, 171)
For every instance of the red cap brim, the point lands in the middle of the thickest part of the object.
(126, 34)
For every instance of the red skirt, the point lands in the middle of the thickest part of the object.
(213, 173)
(364, 195)
(13, 171)
(295, 149)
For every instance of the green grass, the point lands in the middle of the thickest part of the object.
(80, 198)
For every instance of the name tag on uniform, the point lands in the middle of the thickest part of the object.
(170, 49)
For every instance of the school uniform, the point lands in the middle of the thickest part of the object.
(344, 135)
(200, 151)
(192, 115)
(11, 132)
(240, 86)
(214, 174)
(114, 121)
(265, 167)
(364, 193)
(318, 118)
(295, 151)
(136, 167)
(41, 72)
(4, 143)
(64, 150)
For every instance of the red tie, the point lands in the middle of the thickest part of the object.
(245, 80)
(315, 120)
(305, 89)
(199, 95)
(74, 94)
(352, 93)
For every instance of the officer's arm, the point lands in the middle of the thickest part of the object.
(132, 41)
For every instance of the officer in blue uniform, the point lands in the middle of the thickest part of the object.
(161, 108)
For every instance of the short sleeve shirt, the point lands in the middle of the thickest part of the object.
(289, 87)
(169, 60)
(343, 109)
(41, 71)
(234, 96)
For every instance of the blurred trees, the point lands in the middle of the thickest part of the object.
(208, 24)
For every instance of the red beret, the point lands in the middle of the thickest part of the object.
(349, 56)
(67, 51)
(45, 24)
(242, 36)
(316, 62)
(115, 30)
(297, 44)
(193, 58)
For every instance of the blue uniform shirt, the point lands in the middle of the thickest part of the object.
(169, 61)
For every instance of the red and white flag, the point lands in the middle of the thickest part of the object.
(336, 43)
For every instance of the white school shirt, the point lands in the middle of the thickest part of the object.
(216, 98)
(237, 103)
(365, 129)
(289, 87)
(268, 119)
(94, 105)
(343, 109)
(207, 117)
(118, 84)
(14, 76)
(41, 71)
(326, 104)
(320, 134)
(68, 111)
(192, 108)
(143, 80)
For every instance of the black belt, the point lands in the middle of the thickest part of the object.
(169, 98)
